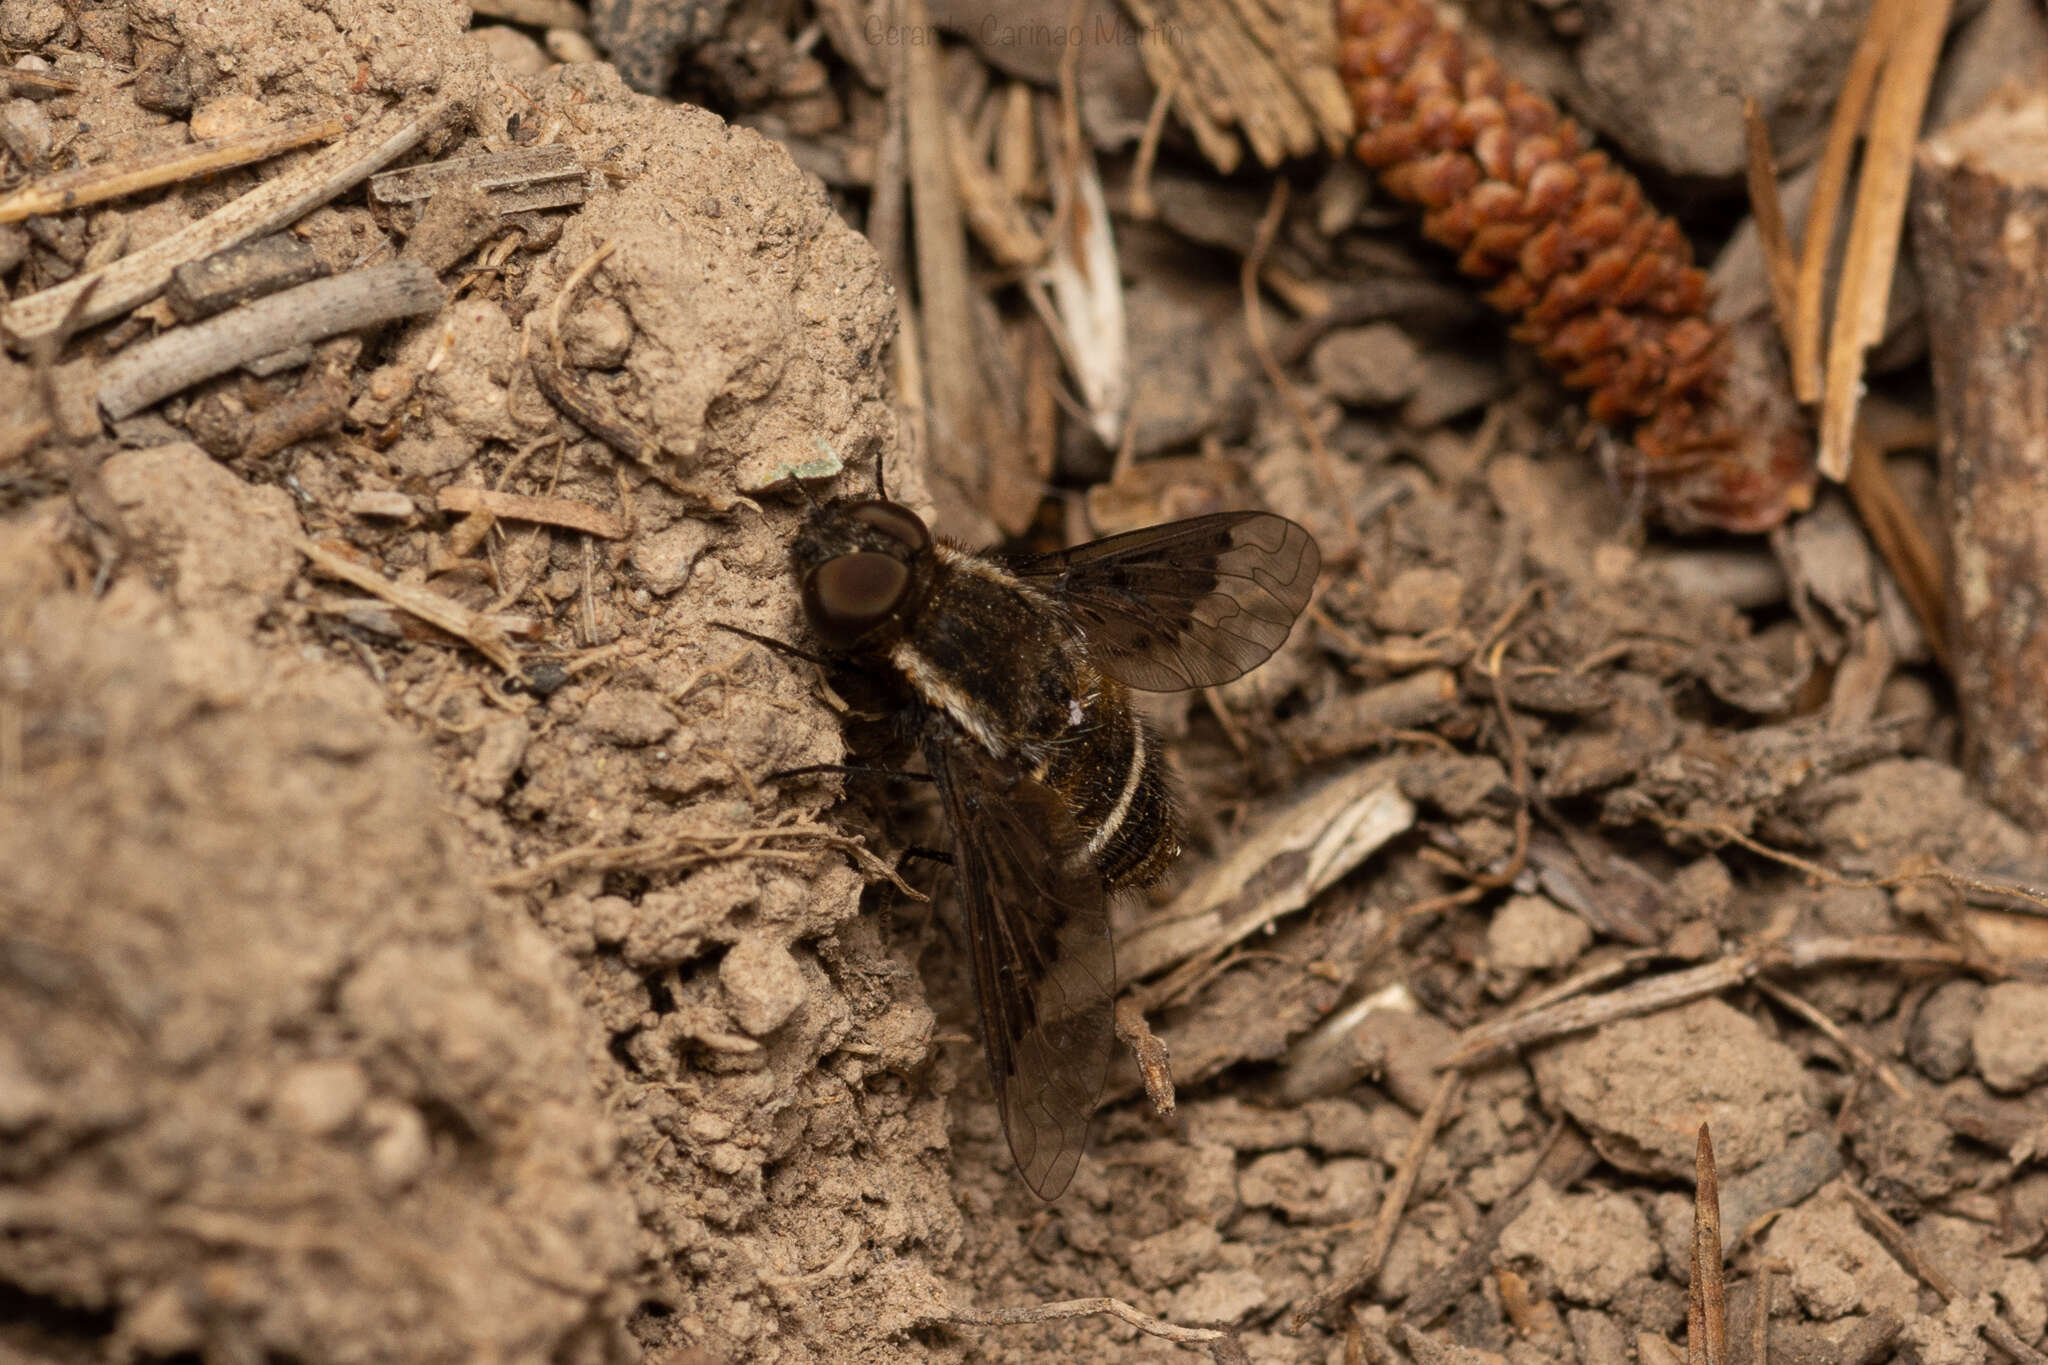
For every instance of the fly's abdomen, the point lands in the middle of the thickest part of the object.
(1114, 781)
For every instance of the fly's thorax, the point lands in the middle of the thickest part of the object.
(991, 655)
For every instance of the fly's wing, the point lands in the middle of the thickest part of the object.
(1187, 604)
(1044, 967)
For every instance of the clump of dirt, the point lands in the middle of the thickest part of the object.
(278, 1076)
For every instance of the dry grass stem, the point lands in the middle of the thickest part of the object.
(1830, 186)
(1706, 1313)
(1297, 407)
(1864, 290)
(68, 190)
(1896, 532)
(516, 180)
(1901, 1245)
(1780, 264)
(1392, 1205)
(1860, 1056)
(445, 613)
(1485, 1041)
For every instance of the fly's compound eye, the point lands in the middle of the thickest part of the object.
(849, 595)
(896, 521)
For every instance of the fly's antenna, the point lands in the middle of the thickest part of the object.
(824, 468)
(881, 490)
(795, 474)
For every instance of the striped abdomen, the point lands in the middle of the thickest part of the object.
(1114, 780)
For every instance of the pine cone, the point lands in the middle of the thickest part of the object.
(1602, 286)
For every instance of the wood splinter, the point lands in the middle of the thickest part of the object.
(1981, 241)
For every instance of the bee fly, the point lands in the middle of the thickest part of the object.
(1010, 676)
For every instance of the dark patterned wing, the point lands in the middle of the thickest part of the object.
(1044, 968)
(1187, 604)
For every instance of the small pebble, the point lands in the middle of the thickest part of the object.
(1938, 1043)
(628, 716)
(1533, 934)
(597, 335)
(25, 131)
(1418, 601)
(30, 23)
(1591, 1245)
(380, 502)
(1371, 366)
(665, 559)
(1453, 383)
(2010, 1037)
(320, 1098)
(763, 984)
(402, 1147)
(1172, 1256)
(229, 115)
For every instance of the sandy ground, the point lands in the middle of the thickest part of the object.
(359, 1003)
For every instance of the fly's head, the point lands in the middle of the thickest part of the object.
(860, 564)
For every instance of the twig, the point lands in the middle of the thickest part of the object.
(183, 356)
(216, 283)
(1859, 1056)
(1081, 1308)
(1154, 1063)
(944, 284)
(1391, 1207)
(142, 274)
(1901, 1245)
(1567, 1159)
(999, 222)
(445, 612)
(567, 512)
(1483, 1041)
(517, 180)
(319, 404)
(36, 85)
(68, 190)
(1138, 202)
(1518, 756)
(1921, 871)
(1896, 532)
(1255, 331)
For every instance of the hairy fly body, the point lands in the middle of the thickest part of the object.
(1011, 676)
